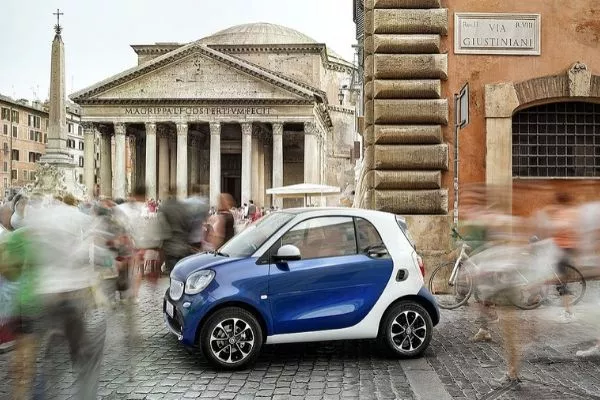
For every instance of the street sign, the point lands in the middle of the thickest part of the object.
(462, 107)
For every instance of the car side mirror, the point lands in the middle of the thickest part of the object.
(287, 253)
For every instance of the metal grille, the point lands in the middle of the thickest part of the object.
(557, 140)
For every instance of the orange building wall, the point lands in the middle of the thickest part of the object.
(570, 33)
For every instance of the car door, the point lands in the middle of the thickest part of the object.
(332, 286)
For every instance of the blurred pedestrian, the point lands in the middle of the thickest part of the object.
(198, 208)
(177, 228)
(563, 217)
(222, 224)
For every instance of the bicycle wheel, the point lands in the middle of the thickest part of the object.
(450, 296)
(570, 283)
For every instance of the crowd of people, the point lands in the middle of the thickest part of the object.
(514, 258)
(61, 259)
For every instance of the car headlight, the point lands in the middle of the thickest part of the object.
(198, 281)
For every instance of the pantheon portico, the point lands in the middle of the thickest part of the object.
(240, 111)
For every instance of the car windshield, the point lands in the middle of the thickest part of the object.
(255, 235)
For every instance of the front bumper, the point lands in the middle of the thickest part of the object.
(187, 314)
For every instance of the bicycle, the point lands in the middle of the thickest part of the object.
(452, 284)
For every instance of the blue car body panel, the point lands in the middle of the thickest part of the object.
(325, 293)
(428, 297)
(244, 282)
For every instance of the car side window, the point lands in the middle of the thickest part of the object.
(368, 237)
(323, 237)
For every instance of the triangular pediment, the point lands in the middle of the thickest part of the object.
(196, 72)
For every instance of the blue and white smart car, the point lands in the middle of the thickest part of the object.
(301, 275)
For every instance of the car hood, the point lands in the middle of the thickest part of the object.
(197, 262)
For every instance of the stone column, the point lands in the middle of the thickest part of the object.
(194, 161)
(310, 152)
(151, 160)
(163, 162)
(246, 162)
(133, 160)
(277, 176)
(105, 165)
(172, 161)
(215, 162)
(120, 167)
(182, 160)
(89, 134)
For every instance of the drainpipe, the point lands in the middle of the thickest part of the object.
(456, 147)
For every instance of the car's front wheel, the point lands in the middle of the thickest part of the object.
(231, 338)
(406, 329)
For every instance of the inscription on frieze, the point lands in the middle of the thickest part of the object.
(501, 34)
(221, 110)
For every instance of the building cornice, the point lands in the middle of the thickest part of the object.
(341, 109)
(197, 101)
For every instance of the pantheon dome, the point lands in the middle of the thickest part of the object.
(258, 33)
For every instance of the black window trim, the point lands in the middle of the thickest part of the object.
(265, 258)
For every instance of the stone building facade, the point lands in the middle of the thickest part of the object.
(251, 107)
(533, 106)
(23, 139)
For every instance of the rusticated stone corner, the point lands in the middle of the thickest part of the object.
(412, 201)
(407, 134)
(407, 180)
(433, 20)
(547, 87)
(411, 112)
(406, 44)
(410, 66)
(432, 157)
(406, 89)
(500, 100)
(407, 3)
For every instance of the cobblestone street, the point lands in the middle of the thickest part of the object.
(165, 370)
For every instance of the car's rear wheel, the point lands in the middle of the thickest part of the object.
(231, 338)
(406, 330)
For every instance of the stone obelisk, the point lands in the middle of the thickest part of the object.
(56, 173)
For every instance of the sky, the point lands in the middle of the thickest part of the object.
(97, 33)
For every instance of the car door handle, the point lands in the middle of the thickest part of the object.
(402, 275)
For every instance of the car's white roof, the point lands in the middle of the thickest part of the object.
(354, 212)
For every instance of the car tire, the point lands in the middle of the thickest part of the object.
(231, 338)
(405, 330)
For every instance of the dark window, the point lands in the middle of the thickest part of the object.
(46, 139)
(6, 129)
(14, 131)
(557, 140)
(367, 236)
(32, 175)
(31, 135)
(70, 127)
(80, 161)
(15, 116)
(80, 178)
(79, 130)
(80, 145)
(13, 174)
(323, 237)
(5, 114)
(31, 157)
(15, 155)
(5, 166)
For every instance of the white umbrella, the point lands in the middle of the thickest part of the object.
(304, 190)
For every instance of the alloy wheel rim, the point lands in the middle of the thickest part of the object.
(232, 340)
(408, 331)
